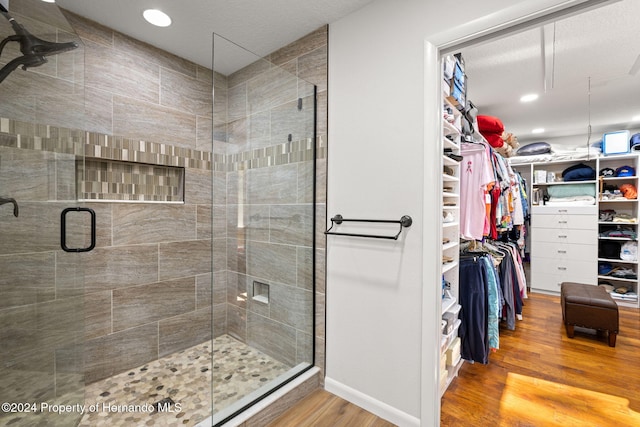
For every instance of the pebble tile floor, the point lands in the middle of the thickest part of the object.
(175, 390)
(182, 379)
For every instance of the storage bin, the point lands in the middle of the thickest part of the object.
(453, 352)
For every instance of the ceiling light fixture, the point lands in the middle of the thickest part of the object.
(157, 17)
(529, 97)
(538, 130)
(49, 1)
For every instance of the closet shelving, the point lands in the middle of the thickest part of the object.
(450, 205)
(567, 242)
(629, 210)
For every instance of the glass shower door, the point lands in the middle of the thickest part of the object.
(264, 233)
(41, 286)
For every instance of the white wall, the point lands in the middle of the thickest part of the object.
(383, 162)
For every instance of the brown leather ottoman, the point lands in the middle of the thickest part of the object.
(590, 307)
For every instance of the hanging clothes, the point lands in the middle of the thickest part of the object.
(473, 335)
(475, 175)
(492, 194)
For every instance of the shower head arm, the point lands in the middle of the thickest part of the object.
(26, 61)
(34, 50)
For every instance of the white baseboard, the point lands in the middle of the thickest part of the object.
(370, 404)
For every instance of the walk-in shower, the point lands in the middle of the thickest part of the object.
(197, 297)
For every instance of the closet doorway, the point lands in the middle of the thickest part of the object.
(581, 61)
(583, 67)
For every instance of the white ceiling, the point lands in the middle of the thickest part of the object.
(602, 44)
(261, 26)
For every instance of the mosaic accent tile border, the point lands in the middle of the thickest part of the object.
(101, 179)
(119, 148)
(281, 154)
(14, 133)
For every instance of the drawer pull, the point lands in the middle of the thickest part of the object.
(562, 252)
(562, 236)
(562, 222)
(562, 210)
(562, 268)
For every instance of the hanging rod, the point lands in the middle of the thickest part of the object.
(405, 221)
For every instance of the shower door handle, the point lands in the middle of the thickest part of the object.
(63, 230)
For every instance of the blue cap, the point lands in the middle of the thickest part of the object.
(604, 268)
(625, 171)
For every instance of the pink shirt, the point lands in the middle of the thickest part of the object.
(475, 174)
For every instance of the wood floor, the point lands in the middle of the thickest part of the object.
(323, 409)
(539, 377)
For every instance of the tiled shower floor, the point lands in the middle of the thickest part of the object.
(181, 380)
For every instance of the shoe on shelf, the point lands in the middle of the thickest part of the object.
(447, 217)
(456, 157)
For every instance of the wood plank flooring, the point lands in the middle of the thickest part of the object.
(539, 377)
(323, 409)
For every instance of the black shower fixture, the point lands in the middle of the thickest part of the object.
(34, 50)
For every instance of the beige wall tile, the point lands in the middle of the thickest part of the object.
(118, 267)
(204, 291)
(204, 133)
(185, 93)
(270, 89)
(198, 186)
(291, 306)
(291, 224)
(97, 318)
(312, 67)
(272, 262)
(300, 47)
(181, 259)
(154, 55)
(90, 30)
(112, 354)
(273, 338)
(122, 73)
(184, 331)
(237, 322)
(98, 110)
(136, 305)
(152, 223)
(150, 122)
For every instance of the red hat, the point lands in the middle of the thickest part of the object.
(492, 129)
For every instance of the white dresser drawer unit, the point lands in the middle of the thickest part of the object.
(564, 210)
(564, 246)
(559, 235)
(564, 251)
(546, 281)
(564, 221)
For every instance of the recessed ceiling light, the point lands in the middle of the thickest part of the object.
(157, 17)
(529, 97)
(538, 130)
(49, 1)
